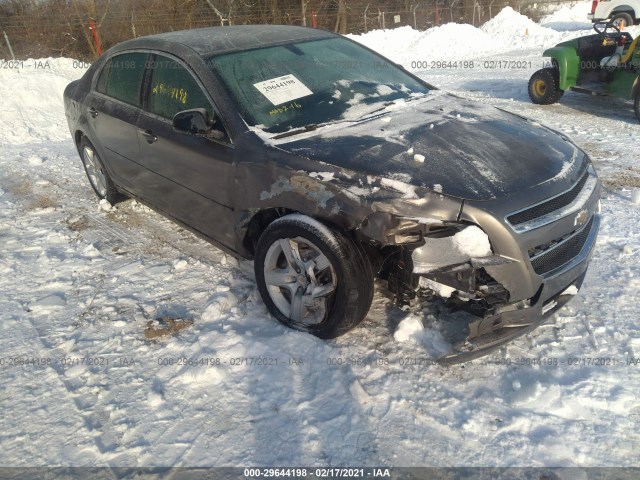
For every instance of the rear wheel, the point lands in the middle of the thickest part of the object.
(636, 105)
(313, 278)
(543, 86)
(97, 174)
(622, 20)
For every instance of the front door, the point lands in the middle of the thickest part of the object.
(190, 176)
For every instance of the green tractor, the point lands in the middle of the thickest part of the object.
(605, 63)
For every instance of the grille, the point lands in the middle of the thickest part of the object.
(563, 253)
(549, 206)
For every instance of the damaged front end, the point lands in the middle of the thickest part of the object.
(453, 260)
(501, 265)
(457, 265)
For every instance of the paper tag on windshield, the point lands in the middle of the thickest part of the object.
(283, 89)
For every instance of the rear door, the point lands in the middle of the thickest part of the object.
(113, 107)
(189, 176)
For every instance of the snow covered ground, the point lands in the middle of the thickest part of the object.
(81, 385)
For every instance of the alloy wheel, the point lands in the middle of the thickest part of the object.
(300, 280)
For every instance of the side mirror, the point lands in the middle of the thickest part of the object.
(193, 121)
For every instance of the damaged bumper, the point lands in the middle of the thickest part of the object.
(537, 262)
(513, 320)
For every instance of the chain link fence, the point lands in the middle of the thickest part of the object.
(46, 28)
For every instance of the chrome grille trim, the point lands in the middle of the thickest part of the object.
(577, 197)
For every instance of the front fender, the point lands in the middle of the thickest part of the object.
(568, 64)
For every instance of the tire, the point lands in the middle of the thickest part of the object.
(98, 176)
(543, 86)
(334, 290)
(622, 20)
(636, 105)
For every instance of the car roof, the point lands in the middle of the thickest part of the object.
(220, 40)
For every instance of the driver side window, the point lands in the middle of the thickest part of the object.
(173, 89)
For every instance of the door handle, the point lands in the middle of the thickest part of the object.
(148, 134)
(93, 112)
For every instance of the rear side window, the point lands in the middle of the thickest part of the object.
(174, 89)
(121, 77)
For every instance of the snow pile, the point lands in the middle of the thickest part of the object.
(452, 41)
(515, 30)
(390, 43)
(472, 241)
(569, 17)
(408, 328)
(34, 111)
(508, 30)
(412, 328)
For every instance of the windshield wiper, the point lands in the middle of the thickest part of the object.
(296, 131)
(368, 115)
(314, 126)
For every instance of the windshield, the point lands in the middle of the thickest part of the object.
(311, 83)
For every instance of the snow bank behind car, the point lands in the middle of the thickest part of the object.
(33, 110)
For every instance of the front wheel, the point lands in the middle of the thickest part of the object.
(636, 105)
(543, 86)
(313, 278)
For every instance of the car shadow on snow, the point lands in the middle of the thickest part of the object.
(297, 400)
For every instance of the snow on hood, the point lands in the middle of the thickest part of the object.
(462, 149)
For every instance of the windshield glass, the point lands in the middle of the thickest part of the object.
(316, 82)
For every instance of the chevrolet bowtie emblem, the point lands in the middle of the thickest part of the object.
(581, 218)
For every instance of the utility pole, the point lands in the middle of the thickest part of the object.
(6, 39)
(415, 24)
(365, 18)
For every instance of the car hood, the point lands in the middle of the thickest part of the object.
(462, 149)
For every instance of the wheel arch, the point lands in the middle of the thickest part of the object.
(251, 224)
(567, 62)
(625, 9)
(77, 138)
